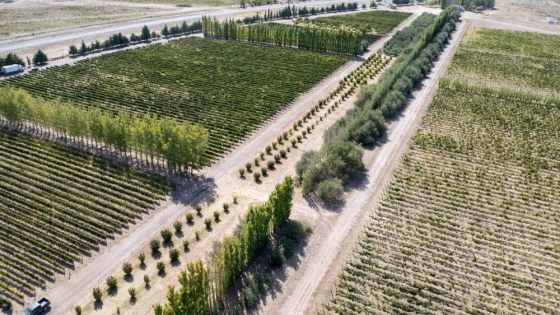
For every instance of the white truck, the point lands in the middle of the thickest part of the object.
(12, 69)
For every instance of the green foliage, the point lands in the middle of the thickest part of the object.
(277, 158)
(160, 266)
(142, 257)
(194, 295)
(155, 245)
(166, 235)
(178, 226)
(111, 282)
(264, 171)
(40, 58)
(186, 244)
(340, 40)
(11, 59)
(73, 50)
(146, 280)
(78, 310)
(127, 268)
(216, 216)
(242, 172)
(182, 145)
(190, 217)
(208, 223)
(173, 254)
(145, 34)
(270, 165)
(80, 198)
(97, 294)
(277, 258)
(254, 84)
(409, 35)
(380, 22)
(330, 190)
(132, 293)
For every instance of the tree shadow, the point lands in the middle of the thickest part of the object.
(143, 266)
(147, 287)
(156, 255)
(162, 274)
(179, 234)
(7, 311)
(175, 263)
(98, 305)
(168, 244)
(133, 300)
(128, 278)
(190, 223)
(209, 229)
(112, 292)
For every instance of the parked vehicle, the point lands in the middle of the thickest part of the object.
(12, 69)
(37, 307)
(33, 69)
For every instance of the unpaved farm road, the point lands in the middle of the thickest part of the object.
(136, 25)
(361, 202)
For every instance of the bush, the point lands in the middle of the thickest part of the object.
(127, 268)
(264, 171)
(248, 166)
(155, 245)
(298, 138)
(285, 135)
(166, 235)
(241, 172)
(190, 217)
(234, 200)
(277, 258)
(308, 158)
(78, 310)
(197, 235)
(198, 208)
(142, 257)
(268, 149)
(174, 254)
(256, 161)
(132, 293)
(249, 297)
(294, 142)
(178, 226)
(262, 155)
(303, 133)
(216, 215)
(160, 266)
(186, 244)
(146, 279)
(97, 294)
(111, 282)
(208, 223)
(274, 145)
(283, 153)
(277, 158)
(225, 206)
(279, 139)
(257, 176)
(270, 164)
(330, 190)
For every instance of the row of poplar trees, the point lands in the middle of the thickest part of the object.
(202, 288)
(145, 138)
(339, 40)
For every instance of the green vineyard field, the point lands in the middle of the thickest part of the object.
(229, 88)
(515, 60)
(56, 204)
(378, 22)
(470, 222)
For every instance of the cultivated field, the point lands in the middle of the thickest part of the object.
(229, 88)
(377, 22)
(57, 204)
(469, 223)
(514, 60)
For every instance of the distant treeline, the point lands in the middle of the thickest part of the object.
(295, 12)
(119, 39)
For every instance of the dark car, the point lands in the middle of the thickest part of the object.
(33, 69)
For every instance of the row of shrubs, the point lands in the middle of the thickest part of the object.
(340, 158)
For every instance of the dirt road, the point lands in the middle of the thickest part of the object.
(364, 199)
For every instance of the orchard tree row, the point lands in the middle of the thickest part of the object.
(340, 157)
(339, 40)
(119, 39)
(183, 146)
(203, 288)
(294, 12)
(12, 59)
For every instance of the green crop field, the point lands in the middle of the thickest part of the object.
(56, 204)
(470, 222)
(227, 87)
(517, 60)
(378, 22)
